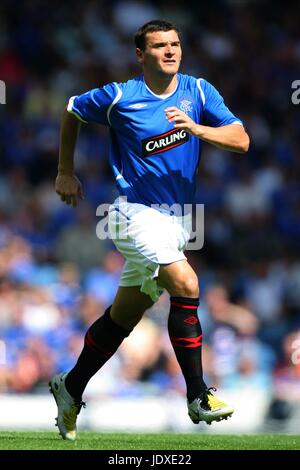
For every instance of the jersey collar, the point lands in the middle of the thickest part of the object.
(166, 95)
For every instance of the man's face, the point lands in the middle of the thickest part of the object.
(162, 52)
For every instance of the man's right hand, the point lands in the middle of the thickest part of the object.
(68, 187)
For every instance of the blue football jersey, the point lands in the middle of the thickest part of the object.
(153, 162)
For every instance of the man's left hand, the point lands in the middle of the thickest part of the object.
(181, 120)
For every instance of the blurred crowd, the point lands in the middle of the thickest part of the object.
(57, 277)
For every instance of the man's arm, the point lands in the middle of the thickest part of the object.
(231, 137)
(67, 185)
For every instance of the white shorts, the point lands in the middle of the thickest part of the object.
(147, 238)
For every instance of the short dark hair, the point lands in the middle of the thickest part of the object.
(151, 27)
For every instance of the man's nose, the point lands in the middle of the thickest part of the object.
(170, 49)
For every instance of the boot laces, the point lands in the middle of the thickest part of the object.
(203, 401)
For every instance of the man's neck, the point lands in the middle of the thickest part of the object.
(161, 85)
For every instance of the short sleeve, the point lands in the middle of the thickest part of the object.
(215, 112)
(93, 106)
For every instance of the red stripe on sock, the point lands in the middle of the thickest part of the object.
(177, 304)
(91, 343)
(187, 342)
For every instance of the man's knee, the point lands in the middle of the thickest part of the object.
(191, 287)
(186, 286)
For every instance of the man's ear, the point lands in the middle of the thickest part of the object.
(140, 55)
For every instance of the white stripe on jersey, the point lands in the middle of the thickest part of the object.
(119, 94)
(71, 110)
(201, 91)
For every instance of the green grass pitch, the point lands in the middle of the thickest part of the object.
(160, 441)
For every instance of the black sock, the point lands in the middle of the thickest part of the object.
(186, 338)
(101, 341)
